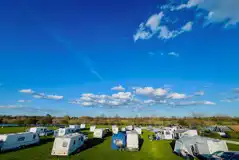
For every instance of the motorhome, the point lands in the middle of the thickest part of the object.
(18, 140)
(197, 145)
(63, 131)
(67, 144)
(132, 141)
(99, 133)
(41, 131)
(92, 128)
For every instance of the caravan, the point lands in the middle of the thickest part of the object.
(82, 126)
(197, 145)
(132, 141)
(63, 131)
(76, 128)
(138, 130)
(181, 132)
(92, 128)
(115, 129)
(18, 140)
(99, 133)
(165, 134)
(129, 128)
(67, 144)
(41, 131)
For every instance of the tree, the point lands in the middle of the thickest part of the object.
(182, 122)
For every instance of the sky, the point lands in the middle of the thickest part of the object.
(127, 58)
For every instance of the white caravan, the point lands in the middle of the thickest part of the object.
(82, 126)
(41, 131)
(18, 140)
(129, 128)
(75, 127)
(165, 134)
(99, 133)
(115, 129)
(63, 131)
(63, 146)
(180, 133)
(123, 129)
(197, 145)
(92, 128)
(138, 130)
(132, 141)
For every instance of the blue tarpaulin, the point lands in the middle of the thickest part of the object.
(118, 141)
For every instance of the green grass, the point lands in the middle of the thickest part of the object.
(160, 150)
(232, 147)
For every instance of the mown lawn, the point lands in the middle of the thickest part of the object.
(102, 151)
(156, 150)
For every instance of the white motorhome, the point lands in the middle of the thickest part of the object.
(99, 133)
(181, 132)
(132, 141)
(92, 128)
(41, 131)
(63, 131)
(82, 126)
(115, 129)
(197, 145)
(75, 127)
(138, 130)
(67, 144)
(18, 140)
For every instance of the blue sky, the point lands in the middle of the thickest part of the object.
(161, 58)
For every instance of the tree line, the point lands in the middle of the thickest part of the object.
(103, 120)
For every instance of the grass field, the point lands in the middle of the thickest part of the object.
(156, 150)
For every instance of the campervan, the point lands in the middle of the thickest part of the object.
(197, 145)
(41, 131)
(82, 126)
(18, 140)
(92, 128)
(99, 133)
(67, 144)
(132, 141)
(75, 127)
(63, 131)
(180, 133)
(115, 129)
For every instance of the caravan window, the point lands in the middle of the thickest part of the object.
(21, 139)
(64, 144)
(167, 133)
(74, 142)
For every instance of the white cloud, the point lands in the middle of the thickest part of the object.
(144, 91)
(37, 96)
(141, 33)
(122, 95)
(187, 27)
(218, 10)
(9, 107)
(149, 102)
(199, 93)
(191, 103)
(54, 97)
(173, 54)
(22, 101)
(29, 91)
(118, 88)
(236, 90)
(160, 92)
(154, 21)
(87, 104)
(176, 96)
(166, 34)
(151, 53)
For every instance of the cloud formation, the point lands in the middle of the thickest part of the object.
(191, 103)
(118, 88)
(41, 95)
(173, 54)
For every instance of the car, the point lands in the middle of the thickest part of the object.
(224, 156)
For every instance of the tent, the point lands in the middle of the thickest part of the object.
(132, 141)
(183, 132)
(197, 145)
(92, 128)
(118, 141)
